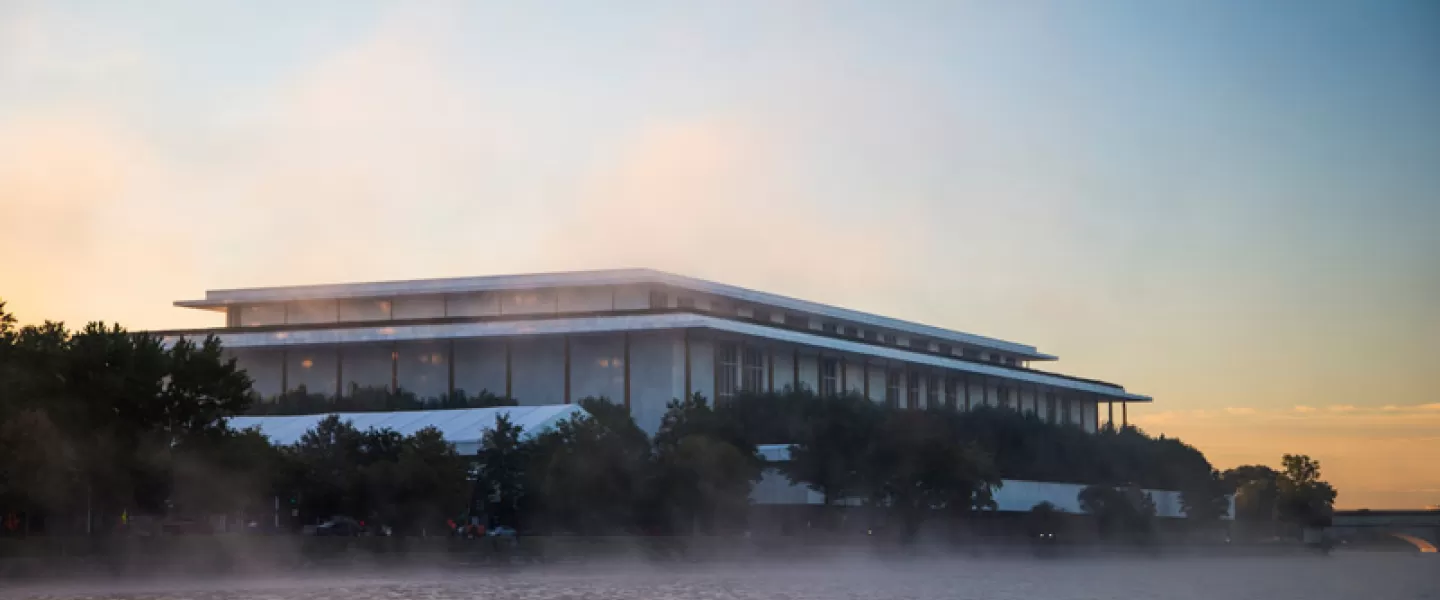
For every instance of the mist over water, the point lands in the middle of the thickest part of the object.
(1340, 576)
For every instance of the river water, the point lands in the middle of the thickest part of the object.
(1343, 576)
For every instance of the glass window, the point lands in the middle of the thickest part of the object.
(423, 369)
(754, 365)
(685, 302)
(659, 299)
(365, 309)
(480, 304)
(367, 369)
(852, 332)
(912, 395)
(892, 389)
(797, 321)
(932, 392)
(830, 328)
(951, 398)
(257, 315)
(311, 311)
(829, 376)
(762, 316)
(1065, 410)
(419, 307)
(312, 370)
(727, 372)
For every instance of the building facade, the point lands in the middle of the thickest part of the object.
(636, 336)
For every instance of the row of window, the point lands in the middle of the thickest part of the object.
(659, 299)
(741, 369)
(560, 301)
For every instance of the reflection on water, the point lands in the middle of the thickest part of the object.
(1342, 576)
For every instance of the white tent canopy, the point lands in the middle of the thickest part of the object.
(463, 427)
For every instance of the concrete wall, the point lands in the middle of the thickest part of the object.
(657, 375)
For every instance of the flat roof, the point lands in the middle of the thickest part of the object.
(217, 299)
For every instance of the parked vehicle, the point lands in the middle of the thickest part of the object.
(340, 526)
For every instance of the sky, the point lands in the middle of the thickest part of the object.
(1230, 206)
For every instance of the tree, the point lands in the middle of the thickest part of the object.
(705, 466)
(1044, 518)
(584, 477)
(829, 454)
(917, 466)
(500, 473)
(1127, 511)
(1206, 500)
(1302, 498)
(432, 481)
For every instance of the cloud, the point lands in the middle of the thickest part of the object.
(1239, 410)
(1341, 408)
(1300, 408)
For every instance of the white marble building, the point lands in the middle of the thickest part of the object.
(639, 337)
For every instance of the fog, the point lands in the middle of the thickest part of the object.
(1344, 575)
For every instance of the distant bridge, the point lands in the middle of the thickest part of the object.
(1420, 528)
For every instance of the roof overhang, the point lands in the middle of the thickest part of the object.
(220, 299)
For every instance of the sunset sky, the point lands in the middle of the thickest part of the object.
(1230, 206)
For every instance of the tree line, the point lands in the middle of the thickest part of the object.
(101, 422)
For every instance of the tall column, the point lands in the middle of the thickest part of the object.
(509, 380)
(627, 370)
(339, 375)
(1124, 413)
(688, 392)
(770, 369)
(567, 368)
(795, 367)
(1110, 420)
